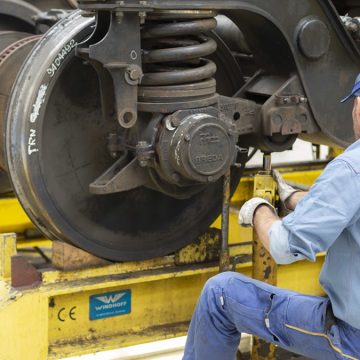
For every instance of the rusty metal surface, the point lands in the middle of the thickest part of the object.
(204, 249)
(23, 273)
(224, 250)
(264, 267)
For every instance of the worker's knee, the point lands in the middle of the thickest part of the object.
(222, 280)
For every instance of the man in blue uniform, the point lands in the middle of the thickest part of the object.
(327, 218)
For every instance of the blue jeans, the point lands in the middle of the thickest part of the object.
(232, 303)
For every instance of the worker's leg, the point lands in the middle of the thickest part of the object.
(232, 303)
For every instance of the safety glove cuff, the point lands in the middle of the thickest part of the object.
(247, 211)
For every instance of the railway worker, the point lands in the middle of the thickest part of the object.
(327, 218)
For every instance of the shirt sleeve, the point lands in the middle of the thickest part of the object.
(279, 245)
(320, 217)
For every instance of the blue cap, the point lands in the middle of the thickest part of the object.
(355, 90)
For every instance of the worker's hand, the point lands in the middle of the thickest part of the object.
(284, 190)
(247, 211)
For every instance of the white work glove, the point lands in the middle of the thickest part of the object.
(284, 190)
(247, 211)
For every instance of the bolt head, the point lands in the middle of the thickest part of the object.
(169, 124)
(87, 13)
(211, 179)
(187, 137)
(142, 15)
(119, 15)
(134, 74)
(142, 144)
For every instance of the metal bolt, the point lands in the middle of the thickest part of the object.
(119, 15)
(187, 137)
(142, 144)
(303, 100)
(87, 13)
(142, 15)
(169, 124)
(143, 163)
(286, 100)
(134, 74)
(210, 179)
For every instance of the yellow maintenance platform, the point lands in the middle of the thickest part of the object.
(49, 309)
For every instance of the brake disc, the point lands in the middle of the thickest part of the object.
(56, 146)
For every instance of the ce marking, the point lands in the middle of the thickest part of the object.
(62, 314)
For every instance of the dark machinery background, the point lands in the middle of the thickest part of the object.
(125, 118)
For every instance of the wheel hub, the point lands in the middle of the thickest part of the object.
(196, 147)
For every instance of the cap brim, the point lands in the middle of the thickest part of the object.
(354, 92)
(347, 98)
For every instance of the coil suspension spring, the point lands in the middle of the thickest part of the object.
(176, 73)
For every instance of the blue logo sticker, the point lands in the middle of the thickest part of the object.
(110, 304)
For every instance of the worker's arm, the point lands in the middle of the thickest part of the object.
(294, 199)
(274, 236)
(288, 195)
(318, 220)
(264, 218)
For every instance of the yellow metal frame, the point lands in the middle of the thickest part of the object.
(52, 321)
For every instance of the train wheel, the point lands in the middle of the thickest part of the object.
(56, 146)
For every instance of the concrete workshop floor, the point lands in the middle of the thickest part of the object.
(172, 350)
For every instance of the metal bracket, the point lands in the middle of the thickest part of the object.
(287, 112)
(117, 47)
(49, 18)
(240, 151)
(120, 178)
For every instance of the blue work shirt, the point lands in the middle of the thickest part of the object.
(328, 219)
